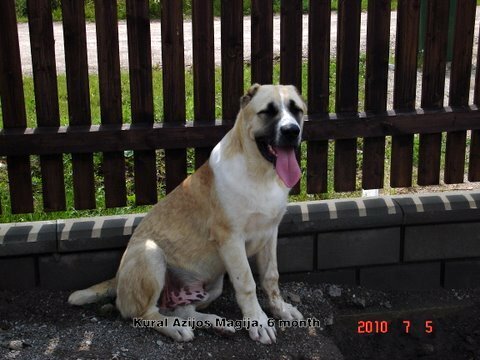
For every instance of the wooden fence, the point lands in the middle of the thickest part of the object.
(50, 141)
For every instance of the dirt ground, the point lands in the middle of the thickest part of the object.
(442, 324)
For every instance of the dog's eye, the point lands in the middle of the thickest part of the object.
(270, 111)
(294, 108)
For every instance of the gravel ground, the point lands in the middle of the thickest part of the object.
(39, 324)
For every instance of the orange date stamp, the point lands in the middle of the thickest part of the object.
(384, 327)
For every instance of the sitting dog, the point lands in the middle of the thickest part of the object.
(228, 210)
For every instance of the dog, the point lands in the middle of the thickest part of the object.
(225, 212)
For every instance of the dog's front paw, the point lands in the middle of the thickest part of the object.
(177, 332)
(286, 311)
(265, 332)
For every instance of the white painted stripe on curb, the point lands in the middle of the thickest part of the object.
(305, 213)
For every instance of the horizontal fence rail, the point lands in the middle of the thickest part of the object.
(345, 81)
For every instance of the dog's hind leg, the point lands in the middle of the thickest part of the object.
(141, 278)
(94, 293)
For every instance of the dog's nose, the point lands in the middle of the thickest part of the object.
(290, 131)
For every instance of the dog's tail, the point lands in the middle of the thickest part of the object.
(94, 293)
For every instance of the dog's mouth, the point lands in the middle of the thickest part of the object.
(283, 159)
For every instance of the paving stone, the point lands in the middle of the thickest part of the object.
(354, 248)
(107, 232)
(295, 254)
(79, 270)
(28, 238)
(442, 241)
(440, 208)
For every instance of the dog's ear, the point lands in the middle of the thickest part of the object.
(245, 99)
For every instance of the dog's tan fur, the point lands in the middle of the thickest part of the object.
(197, 231)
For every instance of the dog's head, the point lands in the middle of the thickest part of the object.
(273, 116)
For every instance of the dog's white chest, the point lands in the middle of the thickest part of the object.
(254, 208)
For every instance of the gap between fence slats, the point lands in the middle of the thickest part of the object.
(405, 83)
(348, 49)
(110, 97)
(460, 87)
(173, 86)
(318, 90)
(141, 93)
(78, 89)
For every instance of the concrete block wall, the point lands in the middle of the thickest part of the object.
(399, 242)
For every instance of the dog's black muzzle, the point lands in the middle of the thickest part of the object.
(289, 136)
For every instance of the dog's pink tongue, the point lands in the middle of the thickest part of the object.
(287, 166)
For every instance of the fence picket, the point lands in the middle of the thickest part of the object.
(433, 86)
(13, 107)
(348, 49)
(73, 14)
(262, 41)
(173, 86)
(232, 58)
(203, 69)
(378, 41)
(110, 97)
(318, 90)
(460, 87)
(141, 94)
(405, 83)
(474, 156)
(46, 98)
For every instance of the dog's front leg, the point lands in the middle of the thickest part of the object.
(234, 257)
(268, 271)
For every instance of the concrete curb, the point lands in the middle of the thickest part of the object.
(376, 242)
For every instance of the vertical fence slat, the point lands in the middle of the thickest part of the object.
(474, 156)
(460, 88)
(262, 41)
(46, 97)
(203, 69)
(232, 58)
(318, 90)
(13, 107)
(173, 85)
(405, 84)
(110, 97)
(348, 48)
(291, 52)
(141, 94)
(433, 87)
(378, 41)
(73, 14)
